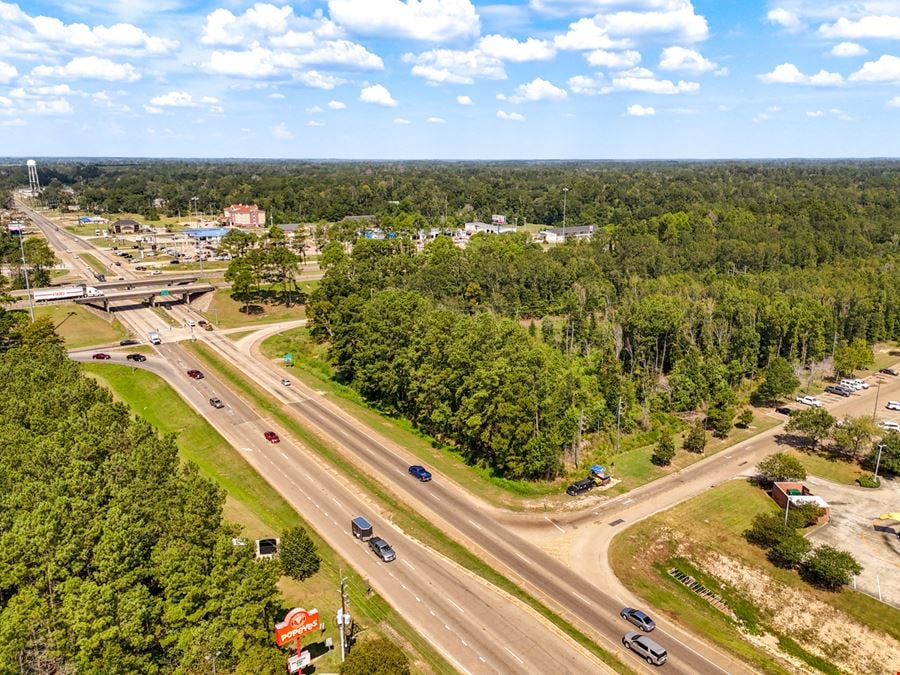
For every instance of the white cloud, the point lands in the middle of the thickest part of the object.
(448, 66)
(761, 117)
(436, 120)
(7, 72)
(401, 120)
(427, 20)
(585, 34)
(315, 123)
(89, 68)
(51, 107)
(880, 27)
(464, 100)
(174, 99)
(510, 49)
(894, 102)
(281, 132)
(848, 49)
(601, 58)
(277, 95)
(314, 110)
(378, 95)
(679, 58)
(222, 27)
(653, 86)
(538, 89)
(336, 105)
(590, 86)
(788, 73)
(637, 110)
(885, 69)
(510, 117)
(153, 110)
(815, 113)
(257, 62)
(317, 80)
(784, 18)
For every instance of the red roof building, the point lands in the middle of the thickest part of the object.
(245, 215)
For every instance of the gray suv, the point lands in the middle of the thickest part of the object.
(645, 647)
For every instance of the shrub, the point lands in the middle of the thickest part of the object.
(745, 419)
(665, 450)
(790, 552)
(869, 481)
(830, 568)
(695, 441)
(804, 515)
(376, 657)
(768, 530)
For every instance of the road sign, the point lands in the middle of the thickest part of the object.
(289, 359)
(164, 292)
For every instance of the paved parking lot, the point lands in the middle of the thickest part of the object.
(853, 510)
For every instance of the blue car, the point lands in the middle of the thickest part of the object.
(420, 472)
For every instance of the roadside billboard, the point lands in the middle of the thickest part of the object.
(297, 623)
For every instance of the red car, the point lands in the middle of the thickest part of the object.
(196, 374)
(101, 356)
(272, 437)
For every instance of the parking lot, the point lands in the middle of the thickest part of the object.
(853, 511)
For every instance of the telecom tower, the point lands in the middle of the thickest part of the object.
(33, 183)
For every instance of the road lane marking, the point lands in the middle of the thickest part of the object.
(448, 628)
(583, 599)
(403, 586)
(408, 564)
(464, 643)
(474, 523)
(554, 524)
(514, 655)
(625, 502)
(435, 496)
(462, 611)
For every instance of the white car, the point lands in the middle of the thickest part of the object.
(890, 425)
(850, 384)
(809, 400)
(286, 382)
(860, 383)
(893, 405)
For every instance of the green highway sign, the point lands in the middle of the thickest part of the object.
(164, 292)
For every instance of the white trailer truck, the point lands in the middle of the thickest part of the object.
(66, 293)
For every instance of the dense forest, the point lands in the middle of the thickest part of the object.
(698, 275)
(113, 556)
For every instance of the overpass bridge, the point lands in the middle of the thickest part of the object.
(157, 282)
(148, 294)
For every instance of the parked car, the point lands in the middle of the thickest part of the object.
(420, 472)
(580, 486)
(840, 391)
(784, 410)
(645, 647)
(809, 400)
(136, 357)
(638, 618)
(862, 384)
(382, 549)
(889, 371)
(216, 403)
(272, 437)
(100, 356)
(127, 342)
(854, 385)
(893, 405)
(196, 374)
(890, 425)
(286, 382)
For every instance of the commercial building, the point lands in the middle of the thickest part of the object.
(798, 494)
(558, 234)
(245, 215)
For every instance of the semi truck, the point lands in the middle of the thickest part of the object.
(66, 293)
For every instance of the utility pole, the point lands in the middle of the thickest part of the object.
(25, 272)
(878, 460)
(565, 199)
(877, 393)
(342, 618)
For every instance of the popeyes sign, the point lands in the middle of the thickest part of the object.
(297, 623)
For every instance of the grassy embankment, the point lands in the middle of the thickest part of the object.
(261, 511)
(404, 517)
(79, 326)
(631, 466)
(714, 522)
(225, 312)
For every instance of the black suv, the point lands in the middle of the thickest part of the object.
(580, 486)
(840, 391)
(136, 357)
(784, 410)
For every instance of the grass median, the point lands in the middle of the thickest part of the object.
(252, 503)
(426, 532)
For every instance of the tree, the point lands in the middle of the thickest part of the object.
(850, 357)
(768, 530)
(830, 568)
(778, 381)
(720, 416)
(781, 467)
(790, 552)
(379, 656)
(804, 515)
(890, 455)
(664, 450)
(298, 555)
(695, 441)
(745, 419)
(854, 434)
(814, 423)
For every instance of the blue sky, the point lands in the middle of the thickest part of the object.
(451, 79)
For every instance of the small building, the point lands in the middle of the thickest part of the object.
(126, 226)
(557, 235)
(213, 234)
(245, 215)
(798, 494)
(493, 228)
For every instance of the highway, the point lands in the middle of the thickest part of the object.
(477, 628)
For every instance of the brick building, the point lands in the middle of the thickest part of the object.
(245, 215)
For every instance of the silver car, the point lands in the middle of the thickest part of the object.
(638, 618)
(646, 648)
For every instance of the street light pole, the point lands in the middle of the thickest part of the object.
(565, 199)
(878, 460)
(787, 509)
(25, 271)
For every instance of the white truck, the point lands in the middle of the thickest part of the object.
(66, 293)
(154, 337)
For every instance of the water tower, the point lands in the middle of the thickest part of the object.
(33, 183)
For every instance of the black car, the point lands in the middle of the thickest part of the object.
(889, 371)
(136, 357)
(126, 342)
(784, 410)
(840, 391)
(580, 486)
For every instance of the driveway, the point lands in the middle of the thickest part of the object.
(853, 511)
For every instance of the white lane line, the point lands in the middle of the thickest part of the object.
(418, 599)
(583, 599)
(482, 658)
(554, 524)
(248, 449)
(448, 628)
(474, 523)
(464, 643)
(335, 500)
(408, 564)
(431, 611)
(435, 496)
(403, 586)
(627, 501)
(514, 655)
(391, 574)
(462, 611)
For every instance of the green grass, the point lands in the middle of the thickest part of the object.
(95, 264)
(79, 326)
(225, 312)
(715, 521)
(255, 505)
(835, 470)
(403, 517)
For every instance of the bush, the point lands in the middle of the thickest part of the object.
(376, 657)
(790, 552)
(695, 441)
(745, 419)
(830, 568)
(804, 515)
(779, 467)
(869, 481)
(665, 450)
(298, 555)
(768, 530)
